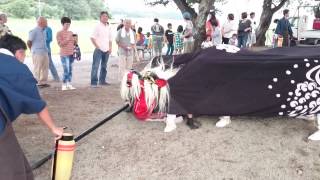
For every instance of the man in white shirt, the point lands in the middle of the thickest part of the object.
(102, 41)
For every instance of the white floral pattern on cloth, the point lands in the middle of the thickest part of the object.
(305, 99)
(229, 48)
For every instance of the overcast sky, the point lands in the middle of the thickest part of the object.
(138, 5)
(230, 7)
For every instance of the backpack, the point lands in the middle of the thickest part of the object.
(157, 29)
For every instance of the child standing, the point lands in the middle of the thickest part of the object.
(66, 44)
(179, 40)
(148, 43)
(146, 40)
(169, 39)
(76, 49)
(140, 38)
(233, 40)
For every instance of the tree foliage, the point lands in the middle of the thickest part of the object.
(76, 9)
(19, 8)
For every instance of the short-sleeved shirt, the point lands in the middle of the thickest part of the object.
(48, 37)
(140, 38)
(169, 35)
(124, 41)
(102, 34)
(38, 38)
(65, 42)
(18, 90)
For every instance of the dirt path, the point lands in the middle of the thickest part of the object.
(124, 148)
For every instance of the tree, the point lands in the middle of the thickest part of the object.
(96, 7)
(198, 17)
(79, 9)
(51, 11)
(269, 8)
(19, 8)
(76, 9)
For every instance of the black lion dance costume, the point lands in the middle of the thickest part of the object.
(222, 81)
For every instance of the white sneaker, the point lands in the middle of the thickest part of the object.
(315, 136)
(64, 87)
(178, 119)
(170, 127)
(70, 87)
(170, 124)
(224, 121)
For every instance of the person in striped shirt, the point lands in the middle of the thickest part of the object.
(66, 44)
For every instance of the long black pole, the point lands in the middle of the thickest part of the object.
(54, 160)
(82, 135)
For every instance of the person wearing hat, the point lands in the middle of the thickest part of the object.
(18, 95)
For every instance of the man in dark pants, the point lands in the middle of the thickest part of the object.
(18, 95)
(283, 29)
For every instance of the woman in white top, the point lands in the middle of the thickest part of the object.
(228, 29)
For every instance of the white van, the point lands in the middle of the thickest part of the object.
(303, 30)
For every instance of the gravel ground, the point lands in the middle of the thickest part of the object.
(124, 148)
